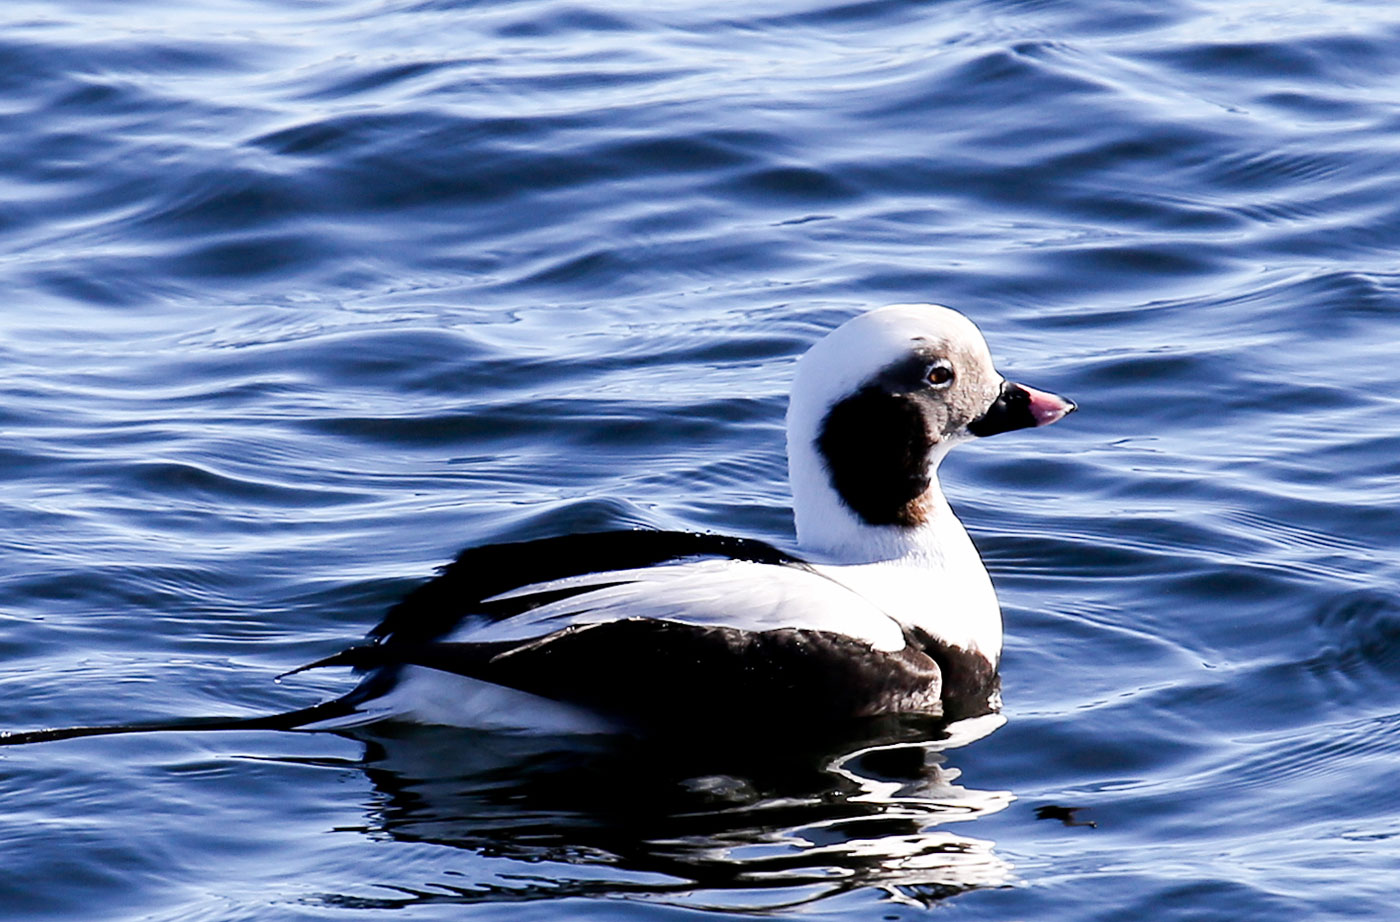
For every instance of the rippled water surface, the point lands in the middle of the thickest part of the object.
(300, 297)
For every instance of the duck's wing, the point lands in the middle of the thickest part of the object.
(526, 590)
(704, 592)
(646, 626)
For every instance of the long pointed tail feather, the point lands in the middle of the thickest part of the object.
(289, 720)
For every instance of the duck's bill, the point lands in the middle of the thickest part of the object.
(1021, 407)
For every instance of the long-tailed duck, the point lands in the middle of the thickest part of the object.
(884, 605)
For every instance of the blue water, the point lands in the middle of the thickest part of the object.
(301, 297)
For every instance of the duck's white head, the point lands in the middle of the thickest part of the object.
(875, 406)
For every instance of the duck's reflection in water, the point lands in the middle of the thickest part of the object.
(733, 825)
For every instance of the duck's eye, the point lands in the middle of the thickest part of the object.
(940, 374)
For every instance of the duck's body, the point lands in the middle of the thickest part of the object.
(885, 606)
(692, 628)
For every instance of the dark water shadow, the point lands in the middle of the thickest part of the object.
(738, 824)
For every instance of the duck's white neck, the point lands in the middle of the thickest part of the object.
(929, 576)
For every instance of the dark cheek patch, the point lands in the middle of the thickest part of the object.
(876, 446)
